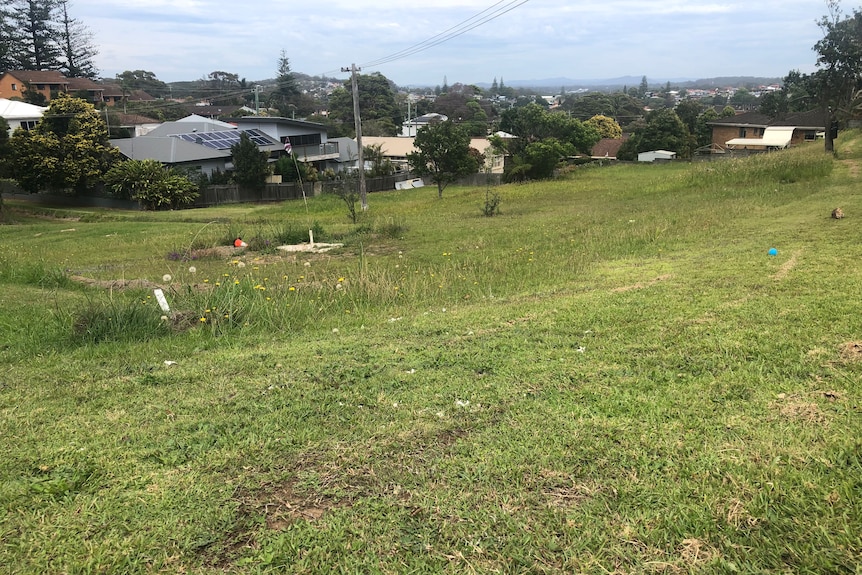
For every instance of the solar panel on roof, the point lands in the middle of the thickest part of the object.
(224, 140)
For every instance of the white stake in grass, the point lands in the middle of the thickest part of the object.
(163, 303)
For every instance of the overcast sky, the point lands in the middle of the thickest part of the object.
(538, 39)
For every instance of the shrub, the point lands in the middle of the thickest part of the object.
(151, 184)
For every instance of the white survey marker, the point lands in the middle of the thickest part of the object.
(163, 303)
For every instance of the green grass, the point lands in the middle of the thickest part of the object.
(610, 376)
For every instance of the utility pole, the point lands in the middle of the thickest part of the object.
(362, 194)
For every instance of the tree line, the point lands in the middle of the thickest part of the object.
(43, 35)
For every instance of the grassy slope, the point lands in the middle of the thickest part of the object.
(612, 376)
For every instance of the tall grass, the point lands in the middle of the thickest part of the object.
(798, 164)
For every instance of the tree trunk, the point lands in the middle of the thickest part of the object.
(829, 137)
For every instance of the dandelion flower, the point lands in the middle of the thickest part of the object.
(164, 318)
(335, 330)
(203, 320)
(291, 288)
(240, 264)
(167, 278)
(193, 270)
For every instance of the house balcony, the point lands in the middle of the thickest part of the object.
(316, 152)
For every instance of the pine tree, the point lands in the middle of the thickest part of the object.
(7, 31)
(37, 47)
(76, 45)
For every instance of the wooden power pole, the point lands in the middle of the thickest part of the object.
(363, 196)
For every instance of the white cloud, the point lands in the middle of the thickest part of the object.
(187, 39)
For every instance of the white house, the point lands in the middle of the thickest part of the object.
(656, 155)
(20, 114)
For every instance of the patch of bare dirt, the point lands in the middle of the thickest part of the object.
(799, 408)
(851, 351)
(786, 267)
(640, 285)
(852, 167)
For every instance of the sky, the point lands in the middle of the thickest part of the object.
(527, 40)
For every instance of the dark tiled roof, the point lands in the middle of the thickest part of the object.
(39, 76)
(810, 119)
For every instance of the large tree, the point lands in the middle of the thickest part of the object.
(68, 150)
(663, 130)
(76, 46)
(7, 36)
(442, 154)
(286, 88)
(839, 63)
(36, 23)
(143, 80)
(377, 104)
(250, 164)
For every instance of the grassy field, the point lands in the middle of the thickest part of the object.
(611, 376)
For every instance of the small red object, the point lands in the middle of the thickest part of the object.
(237, 243)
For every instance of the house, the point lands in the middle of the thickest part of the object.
(13, 83)
(395, 149)
(756, 131)
(136, 124)
(607, 148)
(194, 143)
(20, 114)
(410, 127)
(308, 141)
(656, 156)
(86, 89)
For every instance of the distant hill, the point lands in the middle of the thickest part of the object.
(634, 81)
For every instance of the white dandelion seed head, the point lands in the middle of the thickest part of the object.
(193, 270)
(240, 264)
(167, 278)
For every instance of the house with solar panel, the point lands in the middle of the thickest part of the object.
(308, 141)
(194, 143)
(202, 144)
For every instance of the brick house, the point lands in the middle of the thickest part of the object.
(756, 131)
(13, 83)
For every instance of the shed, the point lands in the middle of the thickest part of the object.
(656, 155)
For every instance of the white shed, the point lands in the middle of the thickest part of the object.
(656, 155)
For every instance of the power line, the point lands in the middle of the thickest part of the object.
(491, 13)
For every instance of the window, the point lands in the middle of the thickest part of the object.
(14, 87)
(28, 124)
(742, 132)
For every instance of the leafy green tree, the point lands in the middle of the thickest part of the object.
(605, 126)
(540, 159)
(663, 130)
(151, 184)
(462, 107)
(292, 170)
(689, 111)
(4, 148)
(443, 154)
(250, 164)
(376, 102)
(838, 77)
(77, 51)
(380, 164)
(143, 80)
(532, 123)
(703, 131)
(67, 150)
